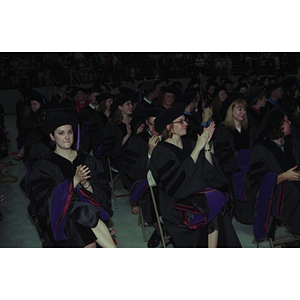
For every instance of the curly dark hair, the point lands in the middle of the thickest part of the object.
(276, 133)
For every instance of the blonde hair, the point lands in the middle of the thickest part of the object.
(229, 122)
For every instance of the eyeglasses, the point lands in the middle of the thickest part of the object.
(181, 121)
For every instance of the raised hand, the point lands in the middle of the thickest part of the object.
(82, 174)
(153, 141)
(202, 140)
(210, 130)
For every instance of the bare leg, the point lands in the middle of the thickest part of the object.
(21, 152)
(213, 239)
(92, 245)
(104, 238)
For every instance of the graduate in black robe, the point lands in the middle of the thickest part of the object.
(277, 156)
(97, 122)
(138, 154)
(71, 195)
(234, 137)
(194, 120)
(181, 168)
(115, 136)
(29, 121)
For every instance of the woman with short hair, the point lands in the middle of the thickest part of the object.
(181, 168)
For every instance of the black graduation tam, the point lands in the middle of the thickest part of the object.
(120, 100)
(94, 89)
(25, 91)
(211, 79)
(217, 90)
(77, 89)
(115, 85)
(104, 96)
(36, 96)
(106, 86)
(229, 100)
(147, 87)
(126, 90)
(169, 115)
(154, 112)
(226, 81)
(187, 97)
(274, 86)
(210, 83)
(241, 85)
(255, 92)
(290, 81)
(193, 81)
(61, 84)
(167, 89)
(59, 117)
(176, 88)
(274, 119)
(164, 79)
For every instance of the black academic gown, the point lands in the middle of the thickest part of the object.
(254, 118)
(267, 158)
(141, 109)
(28, 124)
(85, 114)
(66, 215)
(194, 125)
(111, 141)
(227, 144)
(98, 121)
(137, 166)
(177, 177)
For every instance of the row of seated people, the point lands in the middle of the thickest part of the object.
(128, 134)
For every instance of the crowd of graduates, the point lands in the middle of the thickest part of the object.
(233, 127)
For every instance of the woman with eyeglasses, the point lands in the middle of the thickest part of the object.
(181, 168)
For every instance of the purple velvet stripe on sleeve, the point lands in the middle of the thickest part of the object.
(99, 150)
(279, 200)
(216, 201)
(84, 129)
(78, 137)
(87, 199)
(60, 203)
(264, 202)
(139, 190)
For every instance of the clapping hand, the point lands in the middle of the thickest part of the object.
(210, 130)
(206, 136)
(152, 143)
(82, 175)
